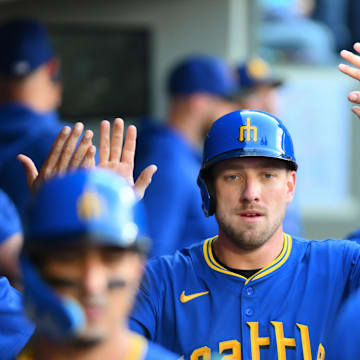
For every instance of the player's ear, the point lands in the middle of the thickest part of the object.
(291, 184)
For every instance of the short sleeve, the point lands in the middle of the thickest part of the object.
(144, 316)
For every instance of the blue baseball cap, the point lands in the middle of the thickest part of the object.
(24, 47)
(96, 205)
(202, 73)
(255, 72)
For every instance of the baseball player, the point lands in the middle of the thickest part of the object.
(346, 336)
(84, 247)
(30, 93)
(252, 291)
(354, 97)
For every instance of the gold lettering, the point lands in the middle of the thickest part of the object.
(203, 352)
(248, 129)
(281, 341)
(321, 353)
(256, 341)
(305, 340)
(232, 345)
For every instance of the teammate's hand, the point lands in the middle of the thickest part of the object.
(64, 156)
(354, 72)
(120, 158)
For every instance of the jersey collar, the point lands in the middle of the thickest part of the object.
(279, 261)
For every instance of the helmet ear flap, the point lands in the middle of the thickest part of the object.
(208, 201)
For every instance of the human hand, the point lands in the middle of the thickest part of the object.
(354, 72)
(64, 156)
(119, 157)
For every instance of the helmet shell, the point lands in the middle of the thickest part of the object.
(244, 133)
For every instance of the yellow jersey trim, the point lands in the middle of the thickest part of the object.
(279, 261)
(137, 348)
(217, 266)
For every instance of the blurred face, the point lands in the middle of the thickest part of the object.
(263, 98)
(103, 280)
(216, 108)
(251, 198)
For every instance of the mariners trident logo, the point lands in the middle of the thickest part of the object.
(249, 130)
(89, 205)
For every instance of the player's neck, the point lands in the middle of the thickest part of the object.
(188, 126)
(235, 258)
(113, 348)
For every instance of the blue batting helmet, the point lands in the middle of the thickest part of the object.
(83, 207)
(243, 133)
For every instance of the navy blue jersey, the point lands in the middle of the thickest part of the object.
(193, 306)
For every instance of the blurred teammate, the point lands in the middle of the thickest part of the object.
(259, 90)
(30, 92)
(84, 248)
(10, 238)
(200, 88)
(258, 87)
(253, 291)
(346, 335)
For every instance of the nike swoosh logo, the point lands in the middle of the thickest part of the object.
(185, 298)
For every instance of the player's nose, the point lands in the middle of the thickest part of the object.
(94, 276)
(251, 190)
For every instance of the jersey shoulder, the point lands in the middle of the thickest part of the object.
(327, 244)
(177, 262)
(331, 251)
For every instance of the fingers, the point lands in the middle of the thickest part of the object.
(82, 150)
(55, 153)
(117, 140)
(88, 161)
(30, 170)
(144, 180)
(104, 146)
(357, 47)
(356, 111)
(69, 147)
(128, 152)
(354, 97)
(348, 70)
(350, 57)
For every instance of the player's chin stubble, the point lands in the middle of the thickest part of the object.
(251, 236)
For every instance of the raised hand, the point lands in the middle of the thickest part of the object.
(113, 154)
(63, 156)
(119, 157)
(354, 72)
